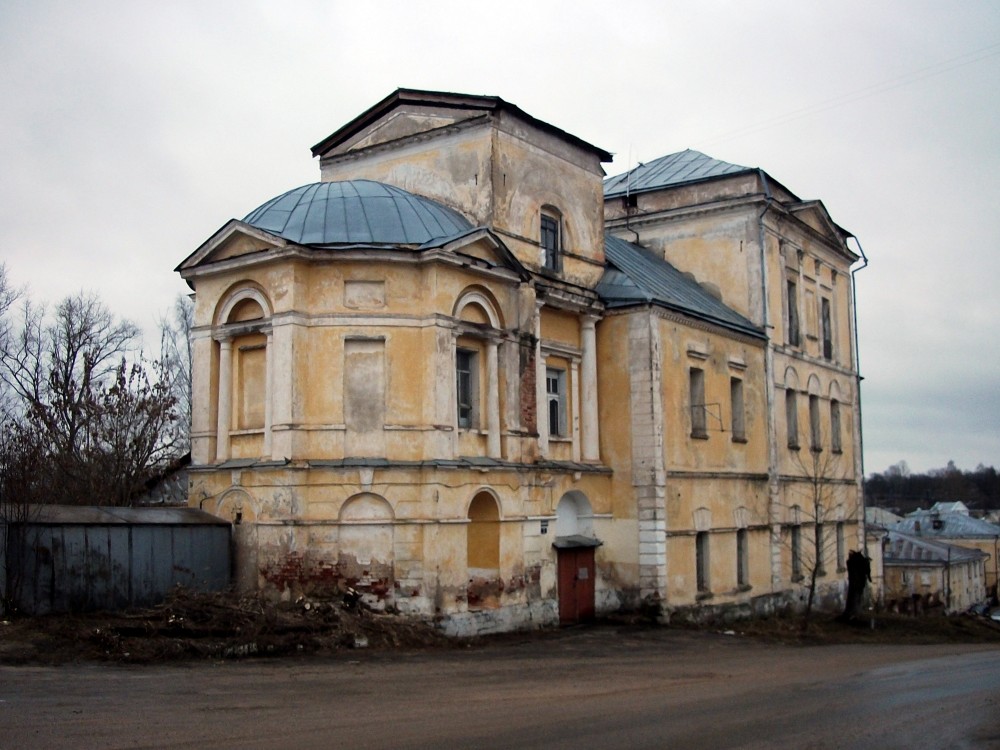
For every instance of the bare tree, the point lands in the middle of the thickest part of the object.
(23, 482)
(175, 356)
(102, 414)
(821, 516)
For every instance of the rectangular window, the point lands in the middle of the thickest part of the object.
(827, 328)
(736, 404)
(796, 542)
(701, 560)
(841, 557)
(466, 390)
(792, 418)
(793, 313)
(550, 242)
(815, 431)
(699, 427)
(742, 558)
(835, 440)
(555, 393)
(820, 554)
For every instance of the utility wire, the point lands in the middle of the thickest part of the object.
(868, 91)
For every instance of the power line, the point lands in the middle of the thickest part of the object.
(863, 93)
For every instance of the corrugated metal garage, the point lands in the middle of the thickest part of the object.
(79, 558)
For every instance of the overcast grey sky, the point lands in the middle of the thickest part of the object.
(131, 131)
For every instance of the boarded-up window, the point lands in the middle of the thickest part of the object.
(483, 542)
(792, 418)
(251, 381)
(699, 427)
(835, 430)
(364, 397)
(796, 545)
(827, 325)
(815, 430)
(366, 532)
(742, 558)
(702, 561)
(792, 320)
(738, 411)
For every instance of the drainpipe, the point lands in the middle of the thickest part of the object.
(860, 460)
(772, 444)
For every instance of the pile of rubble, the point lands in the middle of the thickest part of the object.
(217, 625)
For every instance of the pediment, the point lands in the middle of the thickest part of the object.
(815, 216)
(234, 240)
(400, 125)
(488, 249)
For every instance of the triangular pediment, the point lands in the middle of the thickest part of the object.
(815, 216)
(409, 112)
(234, 240)
(399, 125)
(482, 247)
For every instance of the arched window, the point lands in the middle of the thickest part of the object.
(483, 540)
(243, 332)
(478, 326)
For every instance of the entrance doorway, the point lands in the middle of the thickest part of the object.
(575, 544)
(576, 584)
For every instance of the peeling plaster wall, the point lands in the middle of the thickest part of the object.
(400, 538)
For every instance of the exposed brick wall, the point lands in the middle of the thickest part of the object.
(529, 410)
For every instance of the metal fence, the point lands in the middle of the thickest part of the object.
(74, 559)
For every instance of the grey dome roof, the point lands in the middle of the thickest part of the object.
(356, 212)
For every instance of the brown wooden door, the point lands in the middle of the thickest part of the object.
(576, 584)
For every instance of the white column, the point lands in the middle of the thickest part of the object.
(281, 387)
(588, 402)
(492, 400)
(573, 399)
(268, 387)
(541, 403)
(225, 399)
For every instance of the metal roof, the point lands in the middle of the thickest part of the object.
(875, 516)
(636, 276)
(356, 212)
(903, 548)
(93, 515)
(955, 525)
(672, 169)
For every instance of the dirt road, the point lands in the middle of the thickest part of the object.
(602, 687)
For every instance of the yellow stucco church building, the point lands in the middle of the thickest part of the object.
(474, 380)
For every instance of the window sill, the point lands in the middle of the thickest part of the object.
(798, 578)
(740, 439)
(794, 446)
(743, 588)
(699, 436)
(702, 596)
